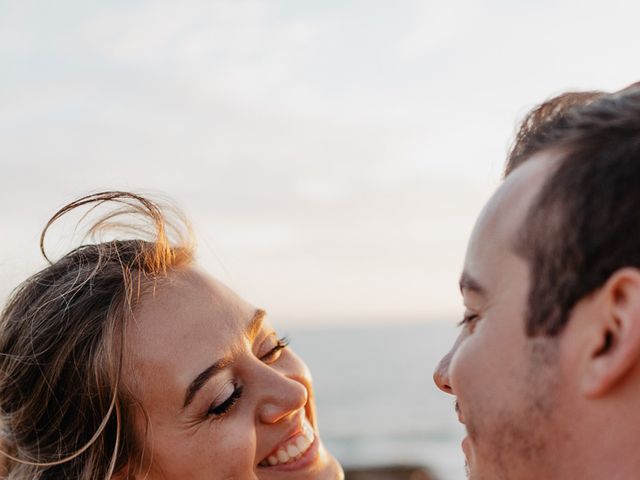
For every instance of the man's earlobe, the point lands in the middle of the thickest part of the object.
(615, 349)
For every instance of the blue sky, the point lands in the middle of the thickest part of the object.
(332, 155)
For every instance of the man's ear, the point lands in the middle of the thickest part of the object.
(614, 345)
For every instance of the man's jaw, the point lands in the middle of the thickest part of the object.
(466, 442)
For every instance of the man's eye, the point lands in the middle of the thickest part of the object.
(273, 354)
(468, 319)
(220, 409)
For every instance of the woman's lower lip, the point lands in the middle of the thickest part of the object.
(306, 459)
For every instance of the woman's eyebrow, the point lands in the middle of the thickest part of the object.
(203, 377)
(256, 324)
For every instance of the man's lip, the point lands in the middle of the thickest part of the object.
(466, 447)
(459, 412)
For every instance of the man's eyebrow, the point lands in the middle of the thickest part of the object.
(203, 377)
(467, 282)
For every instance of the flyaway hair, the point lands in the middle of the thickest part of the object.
(63, 408)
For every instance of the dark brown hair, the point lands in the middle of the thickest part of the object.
(64, 410)
(585, 222)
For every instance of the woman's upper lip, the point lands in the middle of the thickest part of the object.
(295, 429)
(308, 411)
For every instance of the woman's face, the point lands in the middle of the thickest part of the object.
(224, 398)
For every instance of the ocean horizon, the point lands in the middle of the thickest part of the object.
(377, 403)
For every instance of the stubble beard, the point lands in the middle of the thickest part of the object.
(515, 440)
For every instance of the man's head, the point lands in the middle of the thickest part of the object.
(549, 354)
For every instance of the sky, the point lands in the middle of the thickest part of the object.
(332, 156)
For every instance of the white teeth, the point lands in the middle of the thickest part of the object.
(283, 457)
(302, 443)
(308, 430)
(292, 450)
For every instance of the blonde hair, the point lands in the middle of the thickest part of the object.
(64, 411)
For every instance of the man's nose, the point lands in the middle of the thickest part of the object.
(441, 374)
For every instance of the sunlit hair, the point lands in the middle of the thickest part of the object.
(65, 413)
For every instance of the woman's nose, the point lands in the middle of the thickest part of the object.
(441, 374)
(285, 393)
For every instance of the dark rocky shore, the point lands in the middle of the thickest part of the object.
(400, 472)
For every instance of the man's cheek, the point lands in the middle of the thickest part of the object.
(462, 367)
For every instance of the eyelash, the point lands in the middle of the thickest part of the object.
(467, 319)
(221, 410)
(281, 344)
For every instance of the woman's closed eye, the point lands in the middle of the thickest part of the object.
(230, 397)
(232, 391)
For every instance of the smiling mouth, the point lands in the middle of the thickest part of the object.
(293, 449)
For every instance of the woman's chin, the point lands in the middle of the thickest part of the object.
(333, 469)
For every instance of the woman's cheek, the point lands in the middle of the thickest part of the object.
(292, 365)
(234, 446)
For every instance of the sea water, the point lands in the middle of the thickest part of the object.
(376, 399)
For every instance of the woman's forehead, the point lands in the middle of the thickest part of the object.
(191, 322)
(187, 317)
